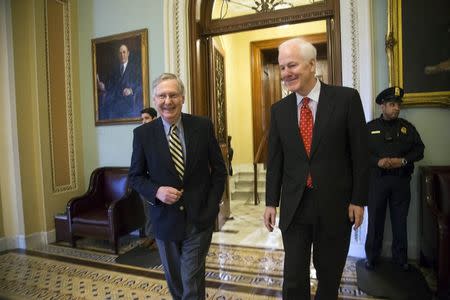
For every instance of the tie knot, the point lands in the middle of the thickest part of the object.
(305, 101)
(173, 128)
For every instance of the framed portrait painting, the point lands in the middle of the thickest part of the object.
(418, 50)
(120, 75)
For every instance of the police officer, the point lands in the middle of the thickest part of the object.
(394, 146)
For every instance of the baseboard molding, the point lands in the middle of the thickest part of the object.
(36, 239)
(51, 236)
(33, 240)
(3, 244)
(8, 243)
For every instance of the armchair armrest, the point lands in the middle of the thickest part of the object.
(86, 201)
(128, 209)
(437, 192)
(429, 194)
(83, 203)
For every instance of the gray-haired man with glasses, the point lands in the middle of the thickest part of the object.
(178, 167)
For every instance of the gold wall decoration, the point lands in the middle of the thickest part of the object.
(220, 96)
(418, 51)
(59, 90)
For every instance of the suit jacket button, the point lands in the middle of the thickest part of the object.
(181, 207)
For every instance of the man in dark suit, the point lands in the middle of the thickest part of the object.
(318, 164)
(121, 95)
(178, 167)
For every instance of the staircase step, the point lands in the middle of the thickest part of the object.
(249, 176)
(244, 185)
(250, 189)
(246, 195)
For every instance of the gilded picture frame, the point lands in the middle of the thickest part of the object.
(417, 48)
(120, 77)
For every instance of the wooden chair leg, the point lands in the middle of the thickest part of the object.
(115, 244)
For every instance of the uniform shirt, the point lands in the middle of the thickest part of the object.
(394, 138)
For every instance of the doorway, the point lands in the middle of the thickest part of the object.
(248, 45)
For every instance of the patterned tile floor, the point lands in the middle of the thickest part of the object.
(244, 262)
(246, 228)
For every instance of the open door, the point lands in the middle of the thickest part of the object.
(207, 83)
(267, 87)
(219, 117)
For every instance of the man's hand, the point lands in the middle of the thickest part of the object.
(127, 92)
(270, 215)
(168, 194)
(100, 84)
(384, 163)
(395, 162)
(356, 215)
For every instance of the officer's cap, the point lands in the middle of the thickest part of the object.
(392, 94)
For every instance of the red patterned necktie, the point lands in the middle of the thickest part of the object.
(306, 129)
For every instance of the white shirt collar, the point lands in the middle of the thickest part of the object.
(313, 94)
(167, 125)
(125, 66)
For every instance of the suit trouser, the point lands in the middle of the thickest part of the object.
(148, 220)
(184, 263)
(329, 253)
(396, 191)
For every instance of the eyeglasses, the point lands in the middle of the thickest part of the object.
(164, 96)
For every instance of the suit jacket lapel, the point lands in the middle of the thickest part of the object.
(191, 142)
(324, 111)
(163, 147)
(292, 124)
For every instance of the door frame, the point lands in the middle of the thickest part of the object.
(202, 27)
(261, 119)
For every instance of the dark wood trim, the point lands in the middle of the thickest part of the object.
(219, 117)
(202, 27)
(334, 47)
(198, 61)
(299, 14)
(256, 49)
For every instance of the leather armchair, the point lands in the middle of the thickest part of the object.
(108, 210)
(435, 223)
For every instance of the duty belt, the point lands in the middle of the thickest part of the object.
(391, 172)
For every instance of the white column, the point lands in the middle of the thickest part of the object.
(357, 72)
(176, 43)
(10, 183)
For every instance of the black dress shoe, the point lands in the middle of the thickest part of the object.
(369, 265)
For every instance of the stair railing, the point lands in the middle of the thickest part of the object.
(261, 145)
